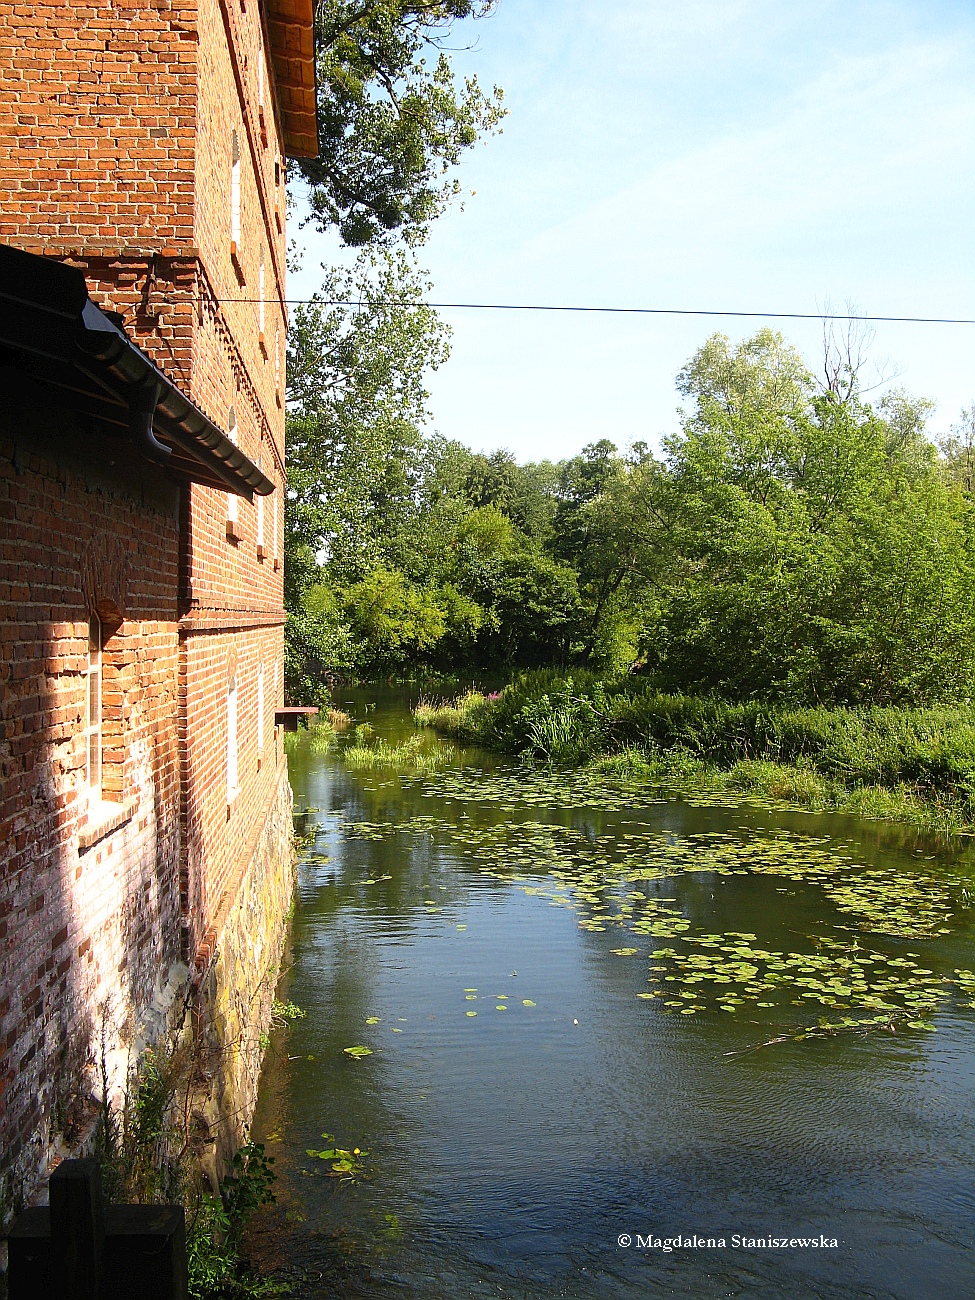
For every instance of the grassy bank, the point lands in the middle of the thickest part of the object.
(914, 765)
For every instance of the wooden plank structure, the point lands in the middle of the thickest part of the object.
(290, 717)
(78, 1248)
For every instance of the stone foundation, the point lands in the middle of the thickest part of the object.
(236, 988)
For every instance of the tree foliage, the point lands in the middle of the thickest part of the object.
(393, 118)
(794, 542)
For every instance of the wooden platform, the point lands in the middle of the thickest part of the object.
(290, 717)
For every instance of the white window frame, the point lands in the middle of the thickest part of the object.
(93, 710)
(260, 709)
(233, 772)
(234, 194)
(232, 434)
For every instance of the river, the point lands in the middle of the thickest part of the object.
(545, 1104)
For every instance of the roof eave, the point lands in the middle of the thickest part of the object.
(291, 37)
(77, 353)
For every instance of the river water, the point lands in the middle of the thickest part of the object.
(547, 1144)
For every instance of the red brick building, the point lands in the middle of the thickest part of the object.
(144, 807)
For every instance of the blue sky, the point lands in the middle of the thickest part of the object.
(749, 154)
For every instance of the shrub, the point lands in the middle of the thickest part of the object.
(548, 716)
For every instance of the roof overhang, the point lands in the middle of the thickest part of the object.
(291, 34)
(82, 359)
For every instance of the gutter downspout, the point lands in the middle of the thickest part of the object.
(142, 407)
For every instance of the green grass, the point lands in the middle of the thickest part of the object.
(912, 765)
(411, 756)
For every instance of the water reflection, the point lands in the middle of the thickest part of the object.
(510, 1150)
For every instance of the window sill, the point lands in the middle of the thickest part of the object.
(231, 800)
(277, 564)
(103, 819)
(233, 533)
(261, 553)
(262, 344)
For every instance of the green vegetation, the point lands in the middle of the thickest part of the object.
(412, 755)
(392, 119)
(618, 882)
(781, 602)
(213, 1245)
(793, 544)
(915, 765)
(149, 1151)
(346, 1164)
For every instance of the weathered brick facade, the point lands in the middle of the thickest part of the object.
(89, 926)
(144, 144)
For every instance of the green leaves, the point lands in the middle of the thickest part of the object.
(345, 1164)
(390, 122)
(824, 556)
(603, 879)
(357, 1053)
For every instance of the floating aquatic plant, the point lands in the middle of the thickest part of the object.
(626, 881)
(344, 1163)
(876, 988)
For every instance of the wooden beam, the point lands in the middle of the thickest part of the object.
(291, 32)
(290, 717)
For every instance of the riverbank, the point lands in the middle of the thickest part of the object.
(553, 984)
(908, 765)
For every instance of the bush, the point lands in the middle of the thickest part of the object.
(548, 716)
(148, 1156)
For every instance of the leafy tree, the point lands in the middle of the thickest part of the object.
(357, 405)
(795, 542)
(392, 118)
(525, 493)
(531, 605)
(958, 450)
(823, 557)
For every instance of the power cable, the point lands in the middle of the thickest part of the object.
(627, 311)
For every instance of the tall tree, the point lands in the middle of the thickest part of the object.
(357, 406)
(393, 118)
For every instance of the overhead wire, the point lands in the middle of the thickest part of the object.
(865, 317)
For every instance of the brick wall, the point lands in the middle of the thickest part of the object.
(118, 126)
(221, 826)
(98, 108)
(89, 927)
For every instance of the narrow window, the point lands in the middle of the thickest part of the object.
(93, 712)
(260, 295)
(274, 522)
(260, 75)
(260, 517)
(277, 364)
(231, 497)
(234, 195)
(260, 708)
(232, 786)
